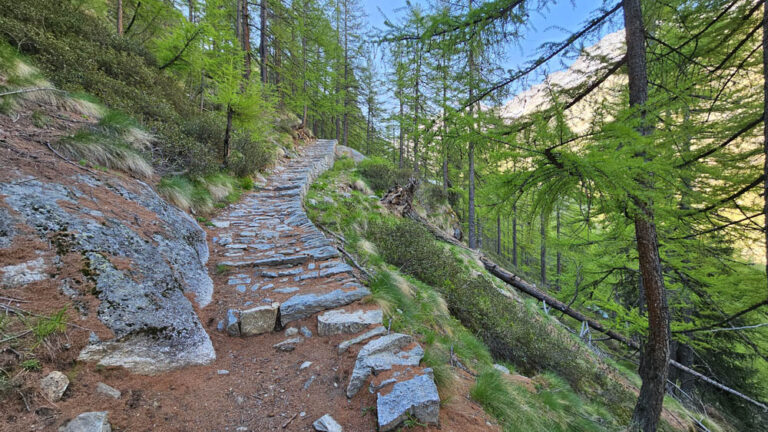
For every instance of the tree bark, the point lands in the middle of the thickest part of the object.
(345, 102)
(498, 234)
(245, 40)
(471, 154)
(765, 131)
(402, 131)
(543, 250)
(559, 254)
(514, 236)
(263, 40)
(120, 17)
(654, 362)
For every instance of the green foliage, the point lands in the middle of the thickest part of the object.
(31, 365)
(249, 156)
(379, 173)
(47, 326)
(201, 194)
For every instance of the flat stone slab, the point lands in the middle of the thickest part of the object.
(416, 397)
(305, 305)
(344, 346)
(341, 322)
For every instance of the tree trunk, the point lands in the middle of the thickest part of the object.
(543, 250)
(402, 131)
(471, 154)
(416, 106)
(245, 41)
(559, 254)
(228, 133)
(498, 234)
(765, 130)
(654, 362)
(263, 40)
(120, 17)
(346, 75)
(514, 236)
(191, 10)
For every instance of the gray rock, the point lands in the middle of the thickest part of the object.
(304, 305)
(54, 385)
(108, 390)
(323, 253)
(501, 368)
(258, 320)
(344, 346)
(233, 322)
(337, 269)
(341, 322)
(380, 355)
(326, 423)
(88, 422)
(349, 152)
(288, 344)
(416, 397)
(286, 290)
(306, 332)
(222, 372)
(146, 302)
(305, 365)
(291, 331)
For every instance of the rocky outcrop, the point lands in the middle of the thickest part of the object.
(141, 255)
(380, 355)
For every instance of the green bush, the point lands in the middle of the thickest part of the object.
(249, 156)
(510, 331)
(378, 172)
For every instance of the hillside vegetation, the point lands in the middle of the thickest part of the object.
(469, 321)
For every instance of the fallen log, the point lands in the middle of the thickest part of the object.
(531, 290)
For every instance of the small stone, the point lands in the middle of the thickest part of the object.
(291, 331)
(302, 414)
(326, 423)
(309, 382)
(306, 332)
(288, 344)
(54, 385)
(222, 372)
(233, 322)
(88, 422)
(108, 391)
(501, 368)
(305, 365)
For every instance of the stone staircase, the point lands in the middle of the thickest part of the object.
(281, 269)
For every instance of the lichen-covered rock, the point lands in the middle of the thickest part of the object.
(95, 421)
(164, 253)
(382, 354)
(54, 385)
(416, 397)
(258, 320)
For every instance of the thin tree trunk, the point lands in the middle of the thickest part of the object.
(765, 130)
(498, 234)
(543, 250)
(471, 154)
(263, 40)
(120, 17)
(191, 10)
(416, 106)
(559, 254)
(228, 133)
(246, 41)
(346, 74)
(402, 131)
(514, 236)
(654, 362)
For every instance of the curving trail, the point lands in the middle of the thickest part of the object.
(281, 287)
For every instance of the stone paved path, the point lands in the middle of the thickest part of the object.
(282, 272)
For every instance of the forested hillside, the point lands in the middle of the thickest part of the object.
(592, 217)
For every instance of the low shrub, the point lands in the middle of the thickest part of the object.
(378, 172)
(249, 156)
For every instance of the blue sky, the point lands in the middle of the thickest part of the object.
(551, 24)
